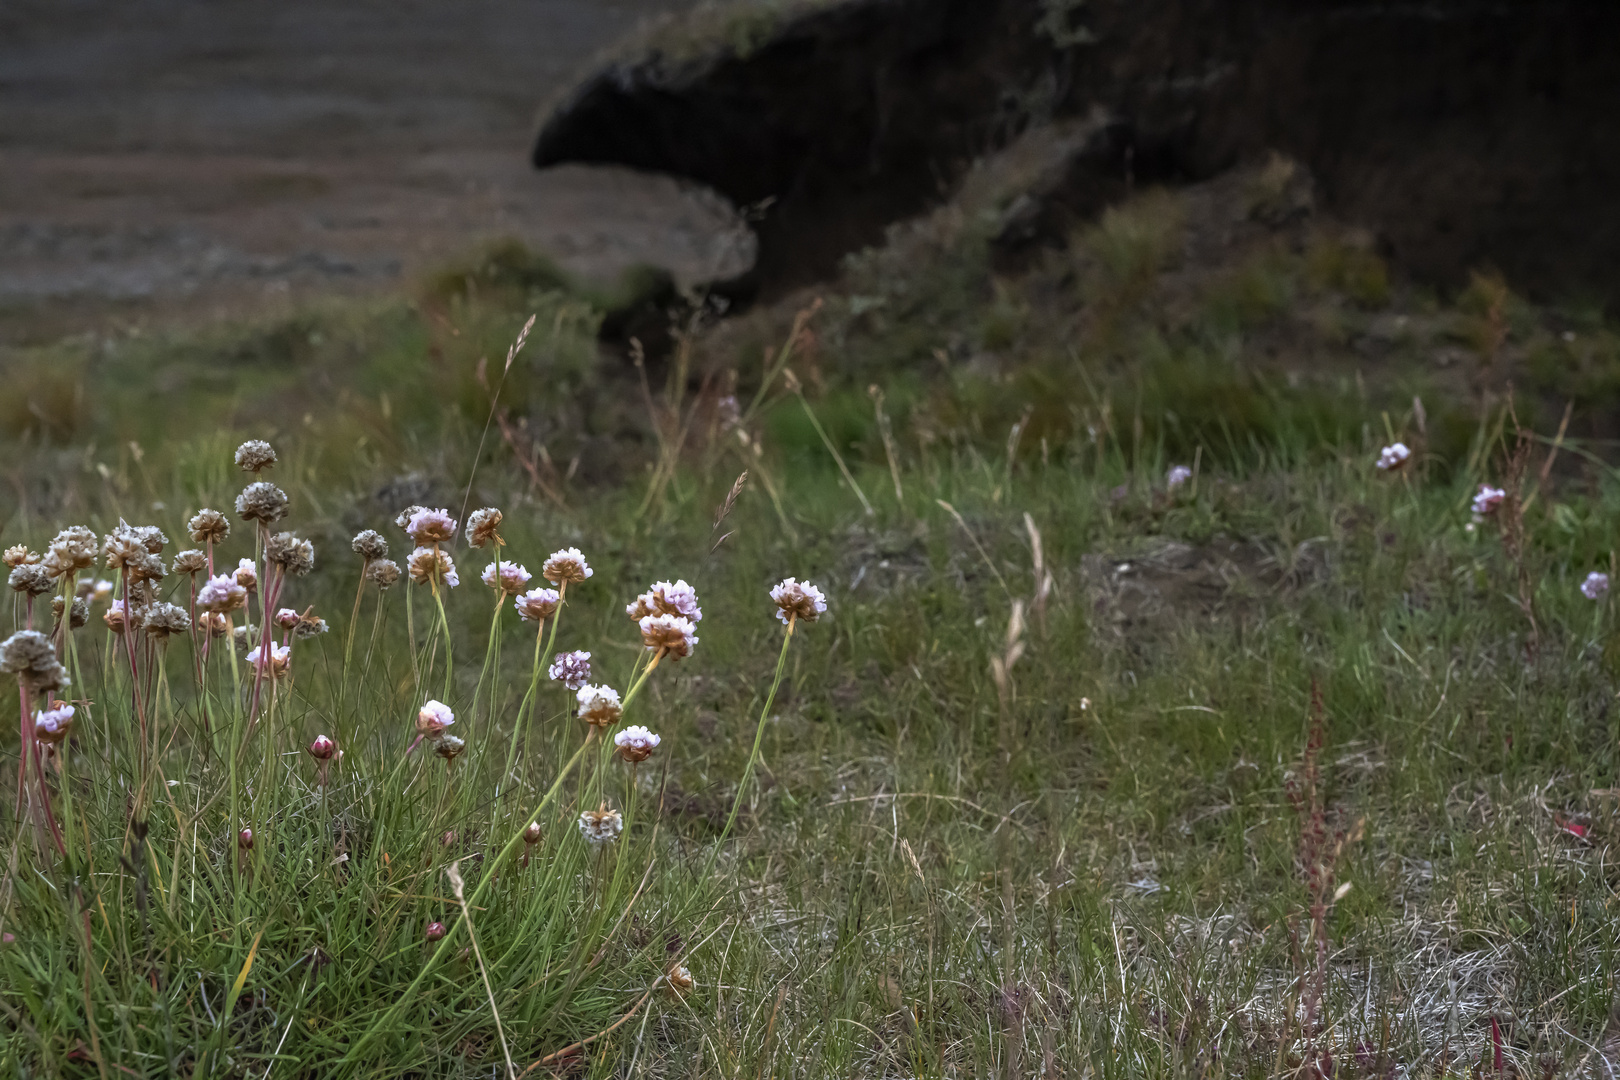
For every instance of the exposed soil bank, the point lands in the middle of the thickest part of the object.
(1465, 133)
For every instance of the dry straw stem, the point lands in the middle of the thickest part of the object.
(826, 440)
(453, 872)
(983, 554)
(886, 432)
(494, 399)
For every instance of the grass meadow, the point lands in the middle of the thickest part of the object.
(1287, 766)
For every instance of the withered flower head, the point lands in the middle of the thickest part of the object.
(52, 725)
(243, 637)
(309, 626)
(255, 455)
(117, 621)
(483, 526)
(294, 556)
(431, 526)
(426, 563)
(73, 549)
(17, 554)
(679, 979)
(32, 579)
(30, 656)
(209, 527)
(161, 620)
(601, 826)
(369, 545)
(449, 747)
(262, 501)
(567, 565)
(403, 518)
(78, 613)
(150, 537)
(798, 600)
(190, 562)
(383, 572)
(537, 604)
(121, 545)
(215, 622)
(144, 567)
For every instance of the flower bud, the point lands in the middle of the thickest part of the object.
(244, 839)
(434, 932)
(322, 748)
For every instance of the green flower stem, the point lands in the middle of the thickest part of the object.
(753, 757)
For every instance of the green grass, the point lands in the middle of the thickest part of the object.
(1089, 869)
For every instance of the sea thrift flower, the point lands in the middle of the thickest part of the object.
(30, 656)
(150, 537)
(600, 827)
(433, 718)
(384, 572)
(254, 456)
(1488, 499)
(537, 604)
(116, 620)
(295, 557)
(679, 979)
(216, 623)
(635, 743)
(322, 748)
(78, 614)
(566, 567)
(599, 705)
(73, 549)
(32, 579)
(190, 562)
(403, 518)
(798, 600)
(221, 594)
(426, 563)
(208, 527)
(286, 618)
(431, 526)
(1394, 456)
(52, 725)
(1595, 586)
(247, 575)
(572, 669)
(532, 833)
(483, 526)
(121, 546)
(672, 633)
(17, 554)
(1178, 475)
(280, 660)
(510, 579)
(369, 545)
(161, 620)
(435, 931)
(309, 626)
(666, 598)
(244, 839)
(449, 747)
(262, 501)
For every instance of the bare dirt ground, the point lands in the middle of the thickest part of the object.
(165, 159)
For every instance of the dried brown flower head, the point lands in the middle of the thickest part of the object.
(30, 656)
(150, 537)
(121, 545)
(216, 623)
(384, 573)
(116, 619)
(161, 620)
(73, 549)
(483, 527)
(243, 637)
(679, 979)
(403, 518)
(309, 626)
(369, 545)
(17, 554)
(449, 747)
(294, 556)
(600, 826)
(532, 833)
(31, 579)
(428, 563)
(255, 455)
(190, 562)
(262, 501)
(78, 613)
(209, 527)
(144, 567)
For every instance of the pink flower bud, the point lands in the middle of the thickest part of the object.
(322, 748)
(434, 931)
(244, 839)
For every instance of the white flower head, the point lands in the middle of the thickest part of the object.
(599, 705)
(566, 566)
(1596, 585)
(271, 659)
(247, 575)
(507, 577)
(798, 600)
(674, 634)
(537, 605)
(600, 827)
(1394, 456)
(433, 718)
(221, 594)
(666, 598)
(572, 669)
(426, 563)
(431, 526)
(52, 725)
(1488, 499)
(636, 743)
(1178, 475)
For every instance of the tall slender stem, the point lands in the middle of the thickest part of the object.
(759, 736)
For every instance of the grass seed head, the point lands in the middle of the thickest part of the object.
(599, 705)
(208, 527)
(254, 456)
(798, 599)
(483, 527)
(263, 502)
(369, 545)
(572, 669)
(537, 605)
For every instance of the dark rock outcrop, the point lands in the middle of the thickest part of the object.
(1465, 133)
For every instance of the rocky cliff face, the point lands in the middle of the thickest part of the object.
(1464, 133)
